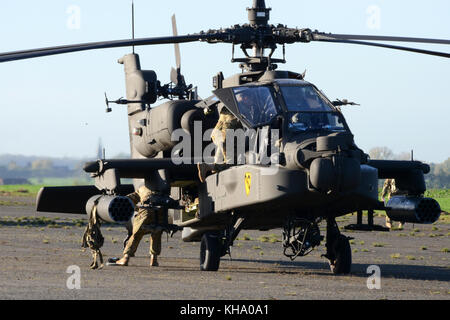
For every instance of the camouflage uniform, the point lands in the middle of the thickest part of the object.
(390, 189)
(144, 216)
(226, 121)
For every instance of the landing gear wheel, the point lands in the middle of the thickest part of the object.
(210, 252)
(342, 262)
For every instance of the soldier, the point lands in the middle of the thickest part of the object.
(145, 215)
(226, 121)
(247, 106)
(389, 189)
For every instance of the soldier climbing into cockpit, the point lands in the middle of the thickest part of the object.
(226, 121)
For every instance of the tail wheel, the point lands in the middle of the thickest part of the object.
(210, 252)
(342, 262)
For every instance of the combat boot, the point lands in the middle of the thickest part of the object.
(123, 261)
(388, 223)
(154, 260)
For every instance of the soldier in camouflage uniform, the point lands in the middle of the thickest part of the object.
(145, 215)
(226, 121)
(389, 189)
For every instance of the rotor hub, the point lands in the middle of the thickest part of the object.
(258, 14)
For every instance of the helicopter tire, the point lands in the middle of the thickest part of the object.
(343, 256)
(210, 252)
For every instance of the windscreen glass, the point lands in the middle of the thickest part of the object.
(304, 98)
(255, 104)
(307, 121)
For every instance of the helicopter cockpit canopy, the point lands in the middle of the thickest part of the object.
(255, 104)
(308, 110)
(304, 98)
(308, 121)
(305, 108)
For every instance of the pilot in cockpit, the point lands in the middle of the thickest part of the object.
(246, 104)
(312, 100)
(299, 122)
(307, 120)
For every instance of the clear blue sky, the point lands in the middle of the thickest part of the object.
(54, 106)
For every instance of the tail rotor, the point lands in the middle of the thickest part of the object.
(180, 89)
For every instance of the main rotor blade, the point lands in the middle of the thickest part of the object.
(177, 46)
(34, 53)
(384, 38)
(320, 37)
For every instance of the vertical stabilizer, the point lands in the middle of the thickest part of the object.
(140, 86)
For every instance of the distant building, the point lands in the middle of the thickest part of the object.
(13, 181)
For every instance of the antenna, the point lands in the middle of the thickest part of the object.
(132, 21)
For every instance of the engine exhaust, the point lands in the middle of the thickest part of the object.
(413, 209)
(115, 209)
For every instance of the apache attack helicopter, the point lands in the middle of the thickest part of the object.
(315, 173)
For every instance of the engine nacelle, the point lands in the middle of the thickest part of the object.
(115, 209)
(413, 209)
(162, 121)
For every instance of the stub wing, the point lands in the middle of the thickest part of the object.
(140, 168)
(70, 199)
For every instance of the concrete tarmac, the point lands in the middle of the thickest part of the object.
(41, 254)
